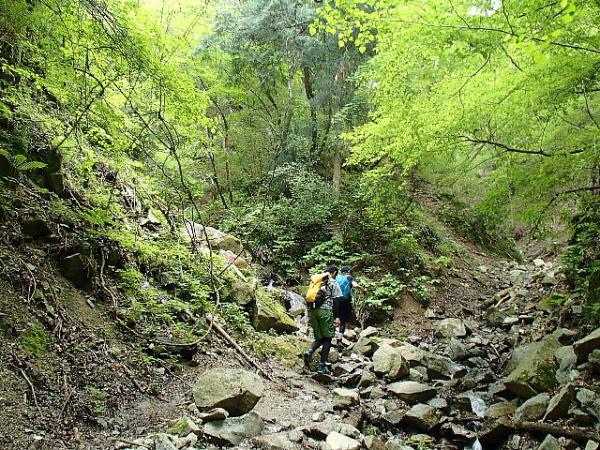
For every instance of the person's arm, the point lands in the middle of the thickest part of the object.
(358, 286)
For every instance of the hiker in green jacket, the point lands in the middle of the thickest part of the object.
(321, 319)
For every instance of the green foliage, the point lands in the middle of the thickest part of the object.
(327, 252)
(96, 400)
(382, 296)
(96, 217)
(20, 162)
(582, 256)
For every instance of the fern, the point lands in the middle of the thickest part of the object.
(20, 162)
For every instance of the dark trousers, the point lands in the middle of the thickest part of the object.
(342, 311)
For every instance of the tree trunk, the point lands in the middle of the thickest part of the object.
(310, 95)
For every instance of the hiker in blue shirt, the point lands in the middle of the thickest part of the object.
(343, 305)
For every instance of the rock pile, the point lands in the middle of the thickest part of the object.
(483, 383)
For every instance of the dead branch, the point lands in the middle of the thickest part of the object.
(235, 345)
(545, 428)
(32, 390)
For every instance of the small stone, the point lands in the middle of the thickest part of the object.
(499, 410)
(183, 427)
(548, 280)
(185, 441)
(318, 416)
(364, 346)
(594, 360)
(213, 414)
(350, 335)
(510, 321)
(538, 262)
(369, 332)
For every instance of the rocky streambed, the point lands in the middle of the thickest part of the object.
(520, 371)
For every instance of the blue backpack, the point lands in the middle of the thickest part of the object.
(345, 286)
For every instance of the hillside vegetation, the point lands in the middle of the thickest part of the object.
(172, 172)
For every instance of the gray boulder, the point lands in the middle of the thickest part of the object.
(234, 430)
(235, 390)
(373, 443)
(421, 417)
(533, 409)
(499, 410)
(271, 314)
(344, 398)
(365, 346)
(456, 350)
(390, 363)
(558, 407)
(550, 443)
(451, 328)
(412, 354)
(533, 368)
(412, 392)
(567, 360)
(218, 240)
(584, 346)
(594, 360)
(441, 367)
(162, 442)
(275, 441)
(338, 441)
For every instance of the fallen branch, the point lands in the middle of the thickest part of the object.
(32, 390)
(131, 443)
(235, 345)
(545, 428)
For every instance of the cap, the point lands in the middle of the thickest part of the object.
(332, 268)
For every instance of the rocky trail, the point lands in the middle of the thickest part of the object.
(454, 383)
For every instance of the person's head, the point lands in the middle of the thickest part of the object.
(332, 269)
(345, 270)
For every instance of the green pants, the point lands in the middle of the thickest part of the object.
(322, 323)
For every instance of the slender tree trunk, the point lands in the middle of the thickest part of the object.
(289, 110)
(310, 95)
(340, 75)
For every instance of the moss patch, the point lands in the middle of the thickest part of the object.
(286, 348)
(35, 341)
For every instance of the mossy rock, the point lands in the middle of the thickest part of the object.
(494, 317)
(271, 314)
(533, 368)
(35, 341)
(242, 292)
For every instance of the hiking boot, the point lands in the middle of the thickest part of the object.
(307, 356)
(322, 368)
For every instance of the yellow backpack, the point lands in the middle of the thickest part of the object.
(314, 295)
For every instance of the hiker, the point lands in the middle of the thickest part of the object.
(321, 319)
(343, 305)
